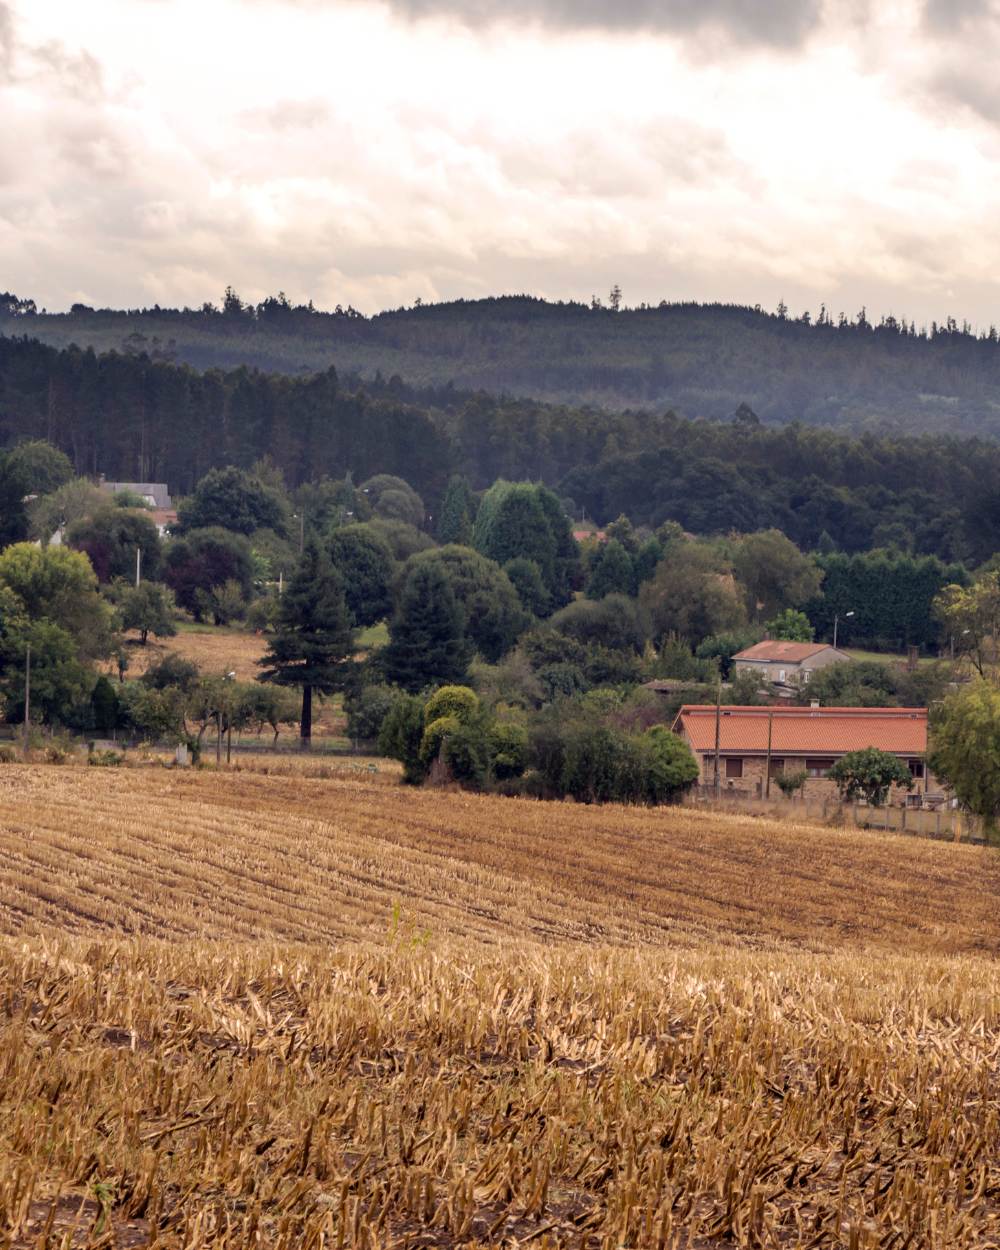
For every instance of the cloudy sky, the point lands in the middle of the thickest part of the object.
(373, 151)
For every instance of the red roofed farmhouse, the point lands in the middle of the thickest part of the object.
(801, 738)
(787, 663)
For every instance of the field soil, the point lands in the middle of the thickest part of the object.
(297, 1005)
(246, 854)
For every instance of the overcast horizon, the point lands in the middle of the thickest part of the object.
(373, 153)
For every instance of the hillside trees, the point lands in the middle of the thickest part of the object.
(203, 561)
(774, 574)
(313, 645)
(522, 520)
(236, 500)
(366, 564)
(965, 745)
(970, 618)
(111, 537)
(492, 612)
(693, 595)
(427, 642)
(891, 595)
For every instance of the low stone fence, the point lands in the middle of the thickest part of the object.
(947, 824)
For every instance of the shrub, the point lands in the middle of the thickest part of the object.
(434, 735)
(790, 783)
(105, 759)
(367, 708)
(401, 735)
(7, 755)
(172, 670)
(671, 768)
(508, 747)
(467, 752)
(457, 701)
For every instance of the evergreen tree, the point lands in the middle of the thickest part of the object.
(612, 572)
(427, 645)
(457, 512)
(314, 642)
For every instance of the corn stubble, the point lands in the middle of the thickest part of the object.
(434, 1088)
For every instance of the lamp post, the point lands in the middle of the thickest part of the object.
(836, 622)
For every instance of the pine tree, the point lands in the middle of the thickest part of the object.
(314, 642)
(457, 511)
(427, 645)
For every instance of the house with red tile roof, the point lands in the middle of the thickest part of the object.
(757, 742)
(787, 663)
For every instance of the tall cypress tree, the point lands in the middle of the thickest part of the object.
(314, 642)
(427, 644)
(457, 511)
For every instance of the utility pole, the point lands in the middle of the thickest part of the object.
(138, 564)
(718, 725)
(27, 696)
(302, 531)
(767, 773)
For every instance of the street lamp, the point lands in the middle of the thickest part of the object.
(836, 622)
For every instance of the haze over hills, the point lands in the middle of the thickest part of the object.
(701, 360)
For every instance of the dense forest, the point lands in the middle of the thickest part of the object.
(132, 417)
(701, 361)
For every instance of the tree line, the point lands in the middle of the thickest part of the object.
(840, 370)
(132, 417)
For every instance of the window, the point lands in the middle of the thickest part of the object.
(734, 768)
(781, 674)
(777, 767)
(916, 769)
(818, 768)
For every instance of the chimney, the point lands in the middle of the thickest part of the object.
(814, 702)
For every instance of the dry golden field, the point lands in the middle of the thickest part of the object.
(213, 650)
(226, 650)
(274, 1009)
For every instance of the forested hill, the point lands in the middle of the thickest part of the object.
(137, 419)
(699, 360)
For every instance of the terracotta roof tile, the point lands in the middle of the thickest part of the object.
(774, 652)
(806, 731)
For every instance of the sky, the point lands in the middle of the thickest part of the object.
(370, 152)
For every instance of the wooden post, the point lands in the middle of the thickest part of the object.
(27, 697)
(767, 773)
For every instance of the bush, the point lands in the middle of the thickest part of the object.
(105, 759)
(508, 748)
(7, 755)
(457, 701)
(467, 753)
(172, 670)
(789, 783)
(434, 734)
(366, 708)
(401, 735)
(670, 767)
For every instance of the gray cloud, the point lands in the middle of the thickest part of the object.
(960, 54)
(948, 16)
(6, 41)
(777, 23)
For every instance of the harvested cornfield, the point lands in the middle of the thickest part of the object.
(289, 1011)
(172, 853)
(433, 1095)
